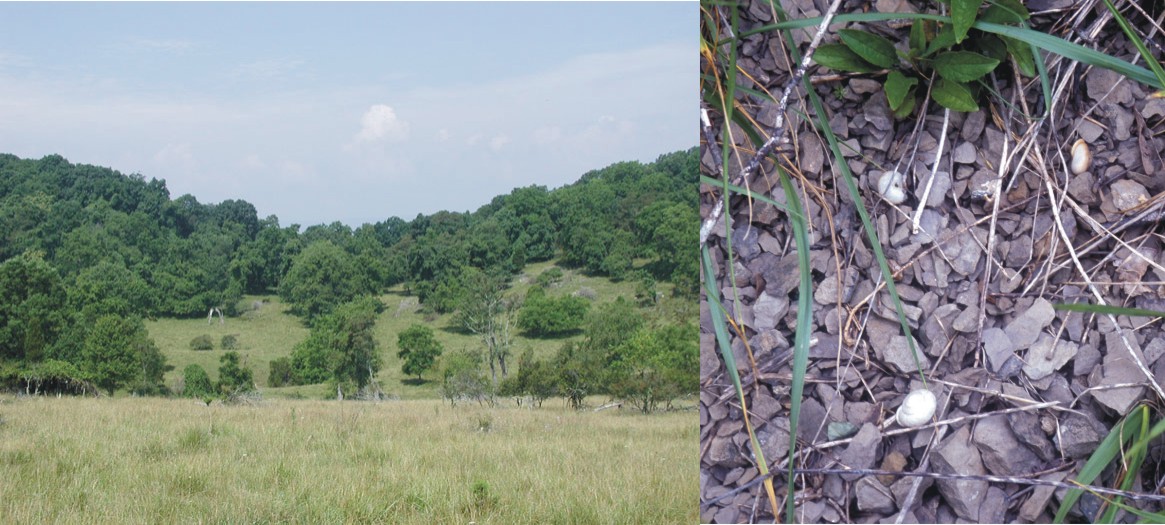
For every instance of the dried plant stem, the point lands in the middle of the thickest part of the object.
(779, 124)
(942, 140)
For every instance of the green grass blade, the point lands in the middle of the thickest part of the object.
(716, 310)
(1107, 309)
(1073, 51)
(1109, 448)
(1154, 65)
(804, 316)
(1041, 40)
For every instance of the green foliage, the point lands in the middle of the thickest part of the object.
(340, 346)
(611, 324)
(580, 372)
(543, 316)
(281, 373)
(33, 312)
(52, 375)
(234, 377)
(113, 351)
(536, 379)
(462, 377)
(951, 55)
(230, 342)
(321, 278)
(202, 342)
(197, 382)
(549, 277)
(418, 348)
(655, 366)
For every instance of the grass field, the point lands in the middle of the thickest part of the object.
(270, 332)
(150, 460)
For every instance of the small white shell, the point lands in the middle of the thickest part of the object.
(917, 408)
(1081, 157)
(890, 186)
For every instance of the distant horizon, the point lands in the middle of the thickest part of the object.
(302, 226)
(349, 112)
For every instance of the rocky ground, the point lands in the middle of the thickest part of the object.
(1025, 391)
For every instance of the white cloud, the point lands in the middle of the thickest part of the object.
(380, 123)
(473, 139)
(499, 142)
(443, 134)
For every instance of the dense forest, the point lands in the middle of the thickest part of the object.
(88, 253)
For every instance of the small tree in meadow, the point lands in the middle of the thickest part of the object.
(418, 348)
(233, 377)
(197, 382)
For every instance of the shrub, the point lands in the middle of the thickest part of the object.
(230, 342)
(549, 316)
(202, 342)
(197, 382)
(282, 374)
(233, 377)
(550, 277)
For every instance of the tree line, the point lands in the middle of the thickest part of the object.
(89, 252)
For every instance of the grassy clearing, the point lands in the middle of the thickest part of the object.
(270, 333)
(162, 461)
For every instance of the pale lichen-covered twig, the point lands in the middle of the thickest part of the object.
(779, 124)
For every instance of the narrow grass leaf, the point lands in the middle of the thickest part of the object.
(963, 66)
(841, 58)
(1075, 52)
(875, 49)
(1040, 40)
(720, 328)
(804, 316)
(1107, 309)
(953, 95)
(1136, 40)
(1108, 449)
(963, 14)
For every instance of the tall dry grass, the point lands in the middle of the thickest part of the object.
(163, 461)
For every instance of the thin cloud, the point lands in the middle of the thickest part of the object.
(381, 123)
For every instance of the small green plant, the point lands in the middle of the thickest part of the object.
(483, 498)
(202, 342)
(229, 342)
(951, 57)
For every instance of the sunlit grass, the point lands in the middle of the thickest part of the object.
(162, 461)
(270, 333)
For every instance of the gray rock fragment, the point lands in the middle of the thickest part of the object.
(957, 455)
(1001, 452)
(964, 153)
(1047, 355)
(768, 310)
(873, 496)
(1079, 435)
(1025, 329)
(898, 356)
(1127, 195)
(862, 451)
(998, 348)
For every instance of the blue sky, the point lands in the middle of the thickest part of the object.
(354, 112)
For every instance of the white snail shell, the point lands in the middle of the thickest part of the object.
(1081, 157)
(917, 409)
(890, 186)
